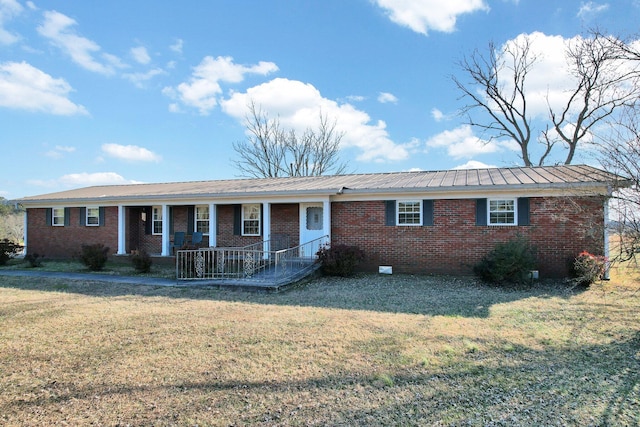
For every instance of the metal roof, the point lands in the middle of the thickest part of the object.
(564, 176)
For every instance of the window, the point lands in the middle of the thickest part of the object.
(157, 220)
(251, 220)
(57, 217)
(502, 212)
(409, 213)
(202, 219)
(93, 216)
(314, 218)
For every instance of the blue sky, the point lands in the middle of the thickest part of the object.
(117, 92)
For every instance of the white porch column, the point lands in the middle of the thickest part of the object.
(122, 249)
(213, 225)
(266, 227)
(165, 231)
(326, 226)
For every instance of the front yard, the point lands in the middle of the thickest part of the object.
(372, 350)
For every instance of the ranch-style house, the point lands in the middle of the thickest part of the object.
(426, 222)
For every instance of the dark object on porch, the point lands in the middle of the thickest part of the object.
(178, 241)
(196, 239)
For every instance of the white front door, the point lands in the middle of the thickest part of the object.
(311, 227)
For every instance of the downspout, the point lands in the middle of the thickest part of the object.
(24, 234)
(606, 233)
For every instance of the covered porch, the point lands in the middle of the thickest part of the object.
(266, 225)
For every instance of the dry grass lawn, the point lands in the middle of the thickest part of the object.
(372, 350)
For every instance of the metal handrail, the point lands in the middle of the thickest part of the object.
(248, 264)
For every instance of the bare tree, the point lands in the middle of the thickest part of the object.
(620, 154)
(272, 151)
(506, 106)
(604, 83)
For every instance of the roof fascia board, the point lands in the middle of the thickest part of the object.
(169, 201)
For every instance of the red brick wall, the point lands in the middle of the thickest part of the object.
(67, 241)
(559, 229)
(285, 221)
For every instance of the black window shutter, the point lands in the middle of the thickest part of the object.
(101, 216)
(523, 211)
(83, 217)
(67, 217)
(148, 224)
(191, 213)
(427, 212)
(49, 216)
(237, 220)
(261, 220)
(390, 212)
(481, 212)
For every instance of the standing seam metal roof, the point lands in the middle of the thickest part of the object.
(559, 176)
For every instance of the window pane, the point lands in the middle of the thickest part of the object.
(314, 218)
(409, 213)
(502, 212)
(157, 220)
(202, 212)
(251, 220)
(202, 219)
(93, 216)
(58, 216)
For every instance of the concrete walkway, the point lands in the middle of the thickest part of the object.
(93, 277)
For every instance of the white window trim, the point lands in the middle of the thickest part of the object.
(515, 212)
(53, 217)
(155, 209)
(244, 219)
(195, 218)
(420, 207)
(86, 219)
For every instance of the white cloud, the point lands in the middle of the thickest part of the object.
(461, 143)
(140, 55)
(424, 15)
(356, 98)
(83, 179)
(437, 115)
(589, 9)
(298, 106)
(130, 153)
(474, 164)
(549, 77)
(385, 97)
(59, 151)
(58, 29)
(177, 46)
(8, 10)
(139, 79)
(203, 88)
(25, 87)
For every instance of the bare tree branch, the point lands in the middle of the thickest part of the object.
(271, 151)
(606, 80)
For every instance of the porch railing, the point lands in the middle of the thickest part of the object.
(249, 264)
